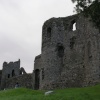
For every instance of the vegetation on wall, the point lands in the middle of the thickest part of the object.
(90, 8)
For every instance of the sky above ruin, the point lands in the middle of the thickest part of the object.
(21, 27)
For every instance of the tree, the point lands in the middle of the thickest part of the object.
(83, 4)
(89, 8)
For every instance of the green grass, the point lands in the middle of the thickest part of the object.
(87, 93)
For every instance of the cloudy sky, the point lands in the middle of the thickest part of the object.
(21, 27)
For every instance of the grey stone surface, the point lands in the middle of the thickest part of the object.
(0, 75)
(12, 74)
(9, 70)
(24, 80)
(69, 58)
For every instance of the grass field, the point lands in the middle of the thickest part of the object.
(87, 93)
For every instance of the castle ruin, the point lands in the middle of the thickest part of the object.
(11, 74)
(70, 57)
(70, 54)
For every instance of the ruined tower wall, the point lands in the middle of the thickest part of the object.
(9, 70)
(0, 77)
(81, 62)
(37, 72)
(70, 58)
(72, 74)
(24, 80)
(52, 40)
(74, 69)
(38, 62)
(91, 55)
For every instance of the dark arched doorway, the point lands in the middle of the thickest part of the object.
(8, 75)
(37, 79)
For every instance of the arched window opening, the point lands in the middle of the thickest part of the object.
(73, 25)
(13, 73)
(37, 79)
(42, 73)
(22, 71)
(49, 32)
(72, 42)
(8, 75)
(60, 50)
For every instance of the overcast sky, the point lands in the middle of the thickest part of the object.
(21, 27)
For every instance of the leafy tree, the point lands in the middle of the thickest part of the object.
(89, 8)
(82, 4)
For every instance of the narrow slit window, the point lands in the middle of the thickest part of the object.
(74, 27)
(8, 75)
(60, 50)
(89, 50)
(72, 42)
(42, 73)
(49, 32)
(13, 73)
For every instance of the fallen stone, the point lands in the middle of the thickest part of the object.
(48, 92)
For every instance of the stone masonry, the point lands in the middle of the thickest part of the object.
(24, 80)
(0, 75)
(70, 56)
(12, 74)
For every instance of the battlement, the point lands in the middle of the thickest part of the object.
(10, 70)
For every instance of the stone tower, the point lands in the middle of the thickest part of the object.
(70, 54)
(9, 70)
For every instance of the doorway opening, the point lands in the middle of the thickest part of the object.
(37, 79)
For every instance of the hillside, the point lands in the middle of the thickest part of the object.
(87, 93)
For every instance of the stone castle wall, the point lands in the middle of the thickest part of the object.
(0, 76)
(69, 58)
(12, 73)
(24, 80)
(9, 70)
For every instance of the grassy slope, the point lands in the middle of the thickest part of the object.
(88, 93)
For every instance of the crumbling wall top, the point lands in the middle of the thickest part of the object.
(59, 19)
(38, 57)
